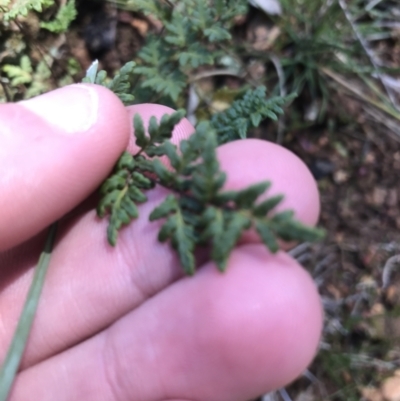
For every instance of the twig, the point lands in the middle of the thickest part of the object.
(273, 396)
(316, 382)
(375, 63)
(392, 112)
(376, 116)
(300, 249)
(284, 394)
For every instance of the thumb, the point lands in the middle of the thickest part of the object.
(54, 151)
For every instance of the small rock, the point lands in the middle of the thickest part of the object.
(369, 158)
(378, 196)
(321, 168)
(340, 176)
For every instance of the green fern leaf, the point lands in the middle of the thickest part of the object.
(199, 212)
(247, 112)
(121, 83)
(266, 234)
(290, 230)
(234, 225)
(245, 198)
(22, 7)
(141, 140)
(183, 242)
(169, 85)
(149, 7)
(176, 32)
(66, 14)
(196, 56)
(267, 206)
(177, 229)
(168, 206)
(136, 195)
(21, 74)
(106, 202)
(120, 193)
(217, 34)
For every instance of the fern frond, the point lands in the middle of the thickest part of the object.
(19, 74)
(198, 212)
(245, 113)
(65, 15)
(21, 8)
(121, 84)
(178, 229)
(121, 193)
(196, 56)
(193, 34)
(157, 9)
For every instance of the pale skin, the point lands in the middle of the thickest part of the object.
(120, 324)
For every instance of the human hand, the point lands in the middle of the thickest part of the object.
(123, 323)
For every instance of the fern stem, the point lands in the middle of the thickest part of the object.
(120, 196)
(15, 352)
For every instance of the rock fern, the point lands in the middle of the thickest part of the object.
(65, 15)
(14, 9)
(194, 35)
(198, 212)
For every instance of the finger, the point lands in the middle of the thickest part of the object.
(90, 284)
(213, 337)
(54, 151)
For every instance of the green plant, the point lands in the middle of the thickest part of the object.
(65, 15)
(320, 39)
(37, 80)
(198, 212)
(20, 8)
(120, 84)
(23, 75)
(247, 112)
(194, 35)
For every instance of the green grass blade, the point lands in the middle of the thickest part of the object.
(13, 358)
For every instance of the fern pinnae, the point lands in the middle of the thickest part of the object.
(198, 212)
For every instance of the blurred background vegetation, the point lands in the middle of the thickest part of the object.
(341, 58)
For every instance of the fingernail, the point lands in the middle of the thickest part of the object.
(72, 109)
